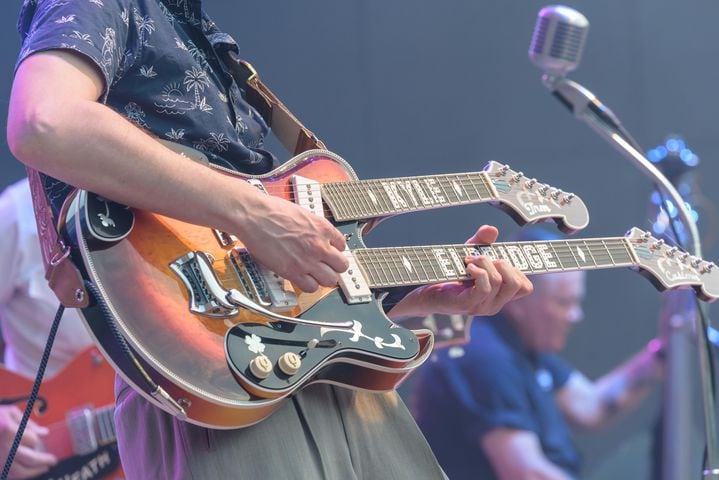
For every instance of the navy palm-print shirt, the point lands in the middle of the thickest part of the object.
(160, 68)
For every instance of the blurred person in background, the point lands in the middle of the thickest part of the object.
(500, 406)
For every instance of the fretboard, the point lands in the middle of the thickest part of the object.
(405, 266)
(376, 198)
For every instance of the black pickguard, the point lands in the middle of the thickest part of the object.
(382, 346)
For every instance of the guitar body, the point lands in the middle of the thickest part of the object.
(86, 382)
(162, 310)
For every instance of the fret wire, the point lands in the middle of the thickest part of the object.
(422, 266)
(611, 257)
(337, 194)
(447, 191)
(394, 263)
(365, 261)
(381, 272)
(476, 184)
(571, 251)
(561, 267)
(387, 266)
(355, 201)
(362, 202)
(431, 262)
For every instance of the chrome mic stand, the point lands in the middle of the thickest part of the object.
(676, 457)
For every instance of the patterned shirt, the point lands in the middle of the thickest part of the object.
(161, 71)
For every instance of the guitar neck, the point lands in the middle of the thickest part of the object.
(407, 266)
(382, 197)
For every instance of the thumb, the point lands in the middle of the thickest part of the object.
(485, 234)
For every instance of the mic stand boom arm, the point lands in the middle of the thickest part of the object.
(586, 107)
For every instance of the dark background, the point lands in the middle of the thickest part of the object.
(429, 86)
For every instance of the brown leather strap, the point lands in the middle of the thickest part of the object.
(62, 276)
(294, 136)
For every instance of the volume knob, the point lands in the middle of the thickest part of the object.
(261, 366)
(290, 363)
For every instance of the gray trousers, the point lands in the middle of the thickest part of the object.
(323, 432)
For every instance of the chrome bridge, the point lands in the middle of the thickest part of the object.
(208, 297)
(266, 287)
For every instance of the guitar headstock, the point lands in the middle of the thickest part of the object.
(669, 267)
(529, 201)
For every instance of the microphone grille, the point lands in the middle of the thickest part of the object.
(558, 39)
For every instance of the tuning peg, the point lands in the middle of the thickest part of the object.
(530, 183)
(658, 244)
(707, 267)
(517, 177)
(695, 262)
(683, 257)
(646, 236)
(555, 194)
(567, 199)
(672, 251)
(503, 171)
(543, 190)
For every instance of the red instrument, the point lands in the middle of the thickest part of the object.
(77, 406)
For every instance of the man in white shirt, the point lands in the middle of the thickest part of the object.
(27, 308)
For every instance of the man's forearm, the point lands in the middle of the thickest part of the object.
(626, 385)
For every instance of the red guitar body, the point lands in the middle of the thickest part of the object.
(84, 386)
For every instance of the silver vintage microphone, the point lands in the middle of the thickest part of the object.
(556, 48)
(558, 40)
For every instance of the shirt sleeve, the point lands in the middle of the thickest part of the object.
(558, 369)
(96, 29)
(492, 393)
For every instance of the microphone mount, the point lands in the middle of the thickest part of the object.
(585, 106)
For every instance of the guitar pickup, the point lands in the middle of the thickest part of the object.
(353, 282)
(308, 194)
(266, 287)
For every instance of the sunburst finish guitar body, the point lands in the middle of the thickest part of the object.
(174, 289)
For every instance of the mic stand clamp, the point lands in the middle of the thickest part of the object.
(586, 107)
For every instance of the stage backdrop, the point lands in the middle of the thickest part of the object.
(432, 86)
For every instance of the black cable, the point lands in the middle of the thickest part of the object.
(120, 341)
(33, 393)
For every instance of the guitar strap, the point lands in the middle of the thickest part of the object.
(63, 276)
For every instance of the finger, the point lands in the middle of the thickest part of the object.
(336, 260)
(305, 282)
(337, 239)
(512, 282)
(325, 275)
(30, 438)
(482, 285)
(31, 462)
(485, 234)
(486, 264)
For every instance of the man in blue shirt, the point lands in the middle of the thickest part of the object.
(98, 82)
(499, 407)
